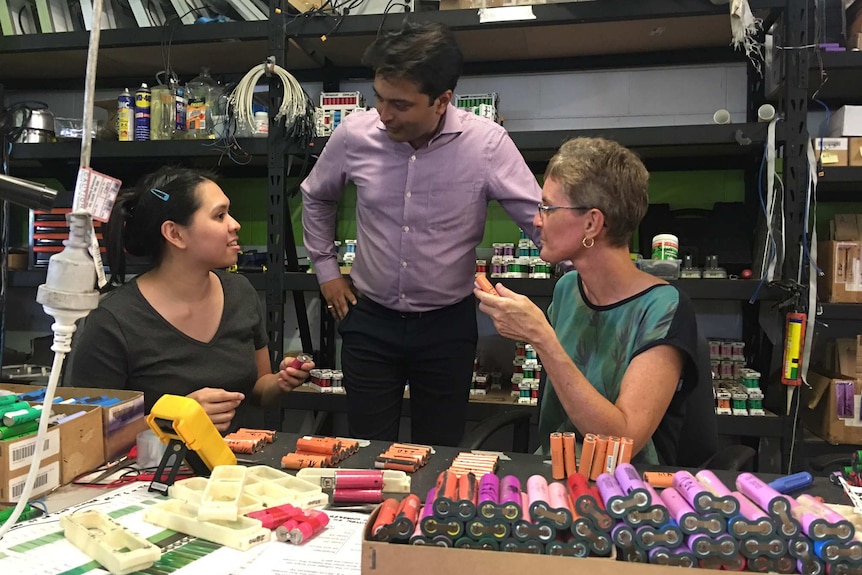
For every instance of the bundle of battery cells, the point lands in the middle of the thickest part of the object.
(314, 451)
(403, 457)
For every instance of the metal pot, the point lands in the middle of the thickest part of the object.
(38, 125)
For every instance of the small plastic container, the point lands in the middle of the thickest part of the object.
(665, 269)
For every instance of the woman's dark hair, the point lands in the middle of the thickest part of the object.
(426, 54)
(136, 220)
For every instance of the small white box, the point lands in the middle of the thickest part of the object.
(847, 121)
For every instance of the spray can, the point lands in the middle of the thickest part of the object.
(180, 126)
(143, 98)
(125, 116)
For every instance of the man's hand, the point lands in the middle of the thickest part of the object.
(219, 404)
(338, 296)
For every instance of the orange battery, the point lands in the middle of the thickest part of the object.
(447, 486)
(385, 517)
(612, 454)
(409, 507)
(484, 284)
(351, 446)
(325, 445)
(587, 451)
(268, 434)
(467, 488)
(558, 466)
(627, 445)
(241, 446)
(659, 478)
(330, 460)
(295, 461)
(598, 466)
(569, 453)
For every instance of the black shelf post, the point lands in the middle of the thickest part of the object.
(280, 243)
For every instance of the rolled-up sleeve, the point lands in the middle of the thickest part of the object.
(513, 184)
(321, 191)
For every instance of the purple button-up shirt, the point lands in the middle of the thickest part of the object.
(419, 213)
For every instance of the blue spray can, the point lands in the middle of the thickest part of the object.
(180, 124)
(143, 100)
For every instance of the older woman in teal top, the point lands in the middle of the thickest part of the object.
(618, 345)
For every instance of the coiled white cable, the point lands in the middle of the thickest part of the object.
(293, 102)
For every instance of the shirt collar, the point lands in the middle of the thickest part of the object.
(452, 123)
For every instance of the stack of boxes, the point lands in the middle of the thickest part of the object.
(839, 259)
(526, 372)
(334, 107)
(736, 387)
(483, 381)
(522, 261)
(484, 105)
(842, 144)
(326, 380)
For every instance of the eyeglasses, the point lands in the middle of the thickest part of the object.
(545, 210)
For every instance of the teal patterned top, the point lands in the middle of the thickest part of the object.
(602, 341)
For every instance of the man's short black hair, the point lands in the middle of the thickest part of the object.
(426, 54)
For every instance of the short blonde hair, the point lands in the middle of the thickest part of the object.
(604, 175)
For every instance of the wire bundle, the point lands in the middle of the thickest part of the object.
(294, 102)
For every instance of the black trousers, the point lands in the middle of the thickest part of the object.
(382, 349)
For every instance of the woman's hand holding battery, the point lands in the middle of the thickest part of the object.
(292, 373)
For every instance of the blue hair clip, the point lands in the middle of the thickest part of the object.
(160, 194)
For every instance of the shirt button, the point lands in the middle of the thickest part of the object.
(403, 264)
(406, 229)
(403, 296)
(413, 158)
(408, 194)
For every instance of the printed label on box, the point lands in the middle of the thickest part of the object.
(21, 453)
(47, 479)
(844, 407)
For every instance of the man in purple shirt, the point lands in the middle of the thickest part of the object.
(424, 172)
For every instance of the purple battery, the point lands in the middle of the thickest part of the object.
(704, 546)
(752, 547)
(489, 496)
(612, 495)
(631, 483)
(751, 521)
(680, 557)
(510, 497)
(701, 498)
(623, 535)
(689, 521)
(810, 566)
(428, 507)
(647, 536)
(655, 515)
(778, 506)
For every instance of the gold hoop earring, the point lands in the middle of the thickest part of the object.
(588, 245)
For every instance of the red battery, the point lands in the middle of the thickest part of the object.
(299, 360)
(357, 495)
(359, 479)
(275, 516)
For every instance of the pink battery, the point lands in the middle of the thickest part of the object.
(525, 506)
(275, 516)
(712, 483)
(305, 530)
(537, 491)
(359, 479)
(778, 506)
(357, 495)
(282, 532)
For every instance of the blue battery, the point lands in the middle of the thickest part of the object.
(793, 482)
(143, 100)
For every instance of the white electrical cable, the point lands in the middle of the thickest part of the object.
(293, 102)
(64, 325)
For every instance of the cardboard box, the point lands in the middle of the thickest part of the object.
(82, 441)
(831, 152)
(847, 121)
(121, 422)
(841, 281)
(830, 407)
(854, 152)
(379, 558)
(16, 458)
